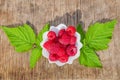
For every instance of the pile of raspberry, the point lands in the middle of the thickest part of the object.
(61, 46)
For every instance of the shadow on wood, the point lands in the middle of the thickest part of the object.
(68, 19)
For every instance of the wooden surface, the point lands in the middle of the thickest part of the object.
(15, 66)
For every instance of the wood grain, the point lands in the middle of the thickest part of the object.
(15, 66)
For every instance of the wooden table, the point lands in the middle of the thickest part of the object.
(15, 66)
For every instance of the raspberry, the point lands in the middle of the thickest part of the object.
(61, 52)
(47, 45)
(54, 48)
(73, 40)
(63, 58)
(61, 32)
(51, 35)
(65, 39)
(71, 30)
(71, 50)
(53, 57)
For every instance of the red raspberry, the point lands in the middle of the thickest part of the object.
(54, 48)
(71, 50)
(53, 57)
(63, 58)
(65, 39)
(47, 44)
(61, 52)
(73, 40)
(57, 48)
(51, 35)
(61, 32)
(71, 30)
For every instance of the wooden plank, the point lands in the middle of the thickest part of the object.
(15, 66)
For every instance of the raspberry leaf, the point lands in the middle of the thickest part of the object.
(89, 58)
(99, 35)
(21, 37)
(81, 31)
(40, 35)
(35, 56)
(97, 38)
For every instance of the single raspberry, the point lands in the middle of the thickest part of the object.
(65, 39)
(47, 44)
(54, 48)
(71, 50)
(53, 57)
(71, 30)
(63, 58)
(73, 40)
(51, 35)
(61, 32)
(61, 52)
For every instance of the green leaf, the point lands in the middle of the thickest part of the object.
(81, 32)
(89, 58)
(40, 35)
(21, 37)
(35, 56)
(99, 35)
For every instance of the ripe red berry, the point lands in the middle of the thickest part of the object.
(65, 39)
(47, 44)
(73, 40)
(54, 48)
(71, 30)
(61, 32)
(53, 57)
(51, 35)
(63, 58)
(71, 50)
(61, 52)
